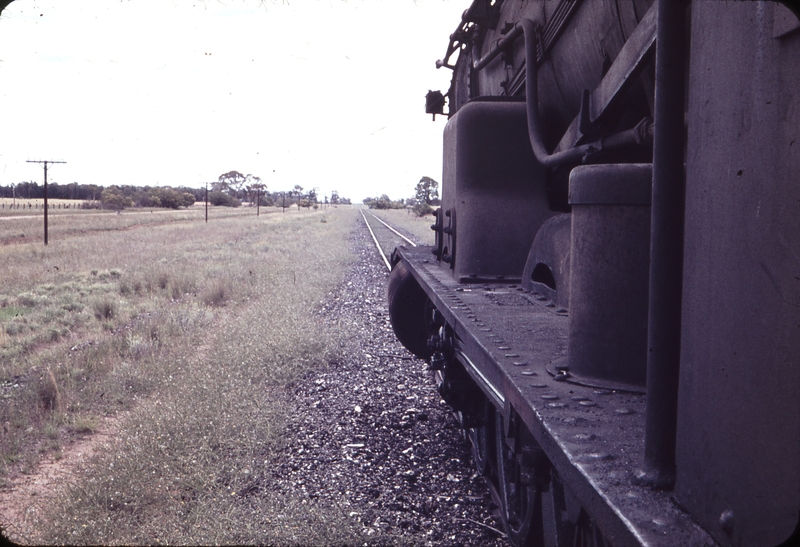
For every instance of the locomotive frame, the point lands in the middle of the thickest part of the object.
(615, 321)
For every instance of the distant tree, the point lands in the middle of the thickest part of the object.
(421, 209)
(73, 191)
(114, 198)
(223, 199)
(256, 188)
(334, 197)
(428, 191)
(187, 199)
(94, 191)
(383, 202)
(168, 197)
(148, 199)
(266, 199)
(29, 190)
(232, 182)
(197, 193)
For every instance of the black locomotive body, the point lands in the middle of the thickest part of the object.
(612, 306)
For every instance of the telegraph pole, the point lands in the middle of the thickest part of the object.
(258, 201)
(45, 162)
(207, 198)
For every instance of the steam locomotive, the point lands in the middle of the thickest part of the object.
(612, 304)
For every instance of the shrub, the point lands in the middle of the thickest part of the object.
(422, 209)
(223, 199)
(383, 202)
(216, 295)
(114, 198)
(84, 424)
(181, 284)
(49, 393)
(28, 300)
(163, 280)
(104, 308)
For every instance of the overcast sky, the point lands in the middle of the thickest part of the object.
(320, 93)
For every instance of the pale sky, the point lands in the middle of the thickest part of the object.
(320, 93)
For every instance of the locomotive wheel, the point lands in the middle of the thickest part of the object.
(482, 440)
(520, 499)
(408, 311)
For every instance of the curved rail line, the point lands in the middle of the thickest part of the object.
(375, 237)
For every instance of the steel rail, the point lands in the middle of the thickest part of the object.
(375, 239)
(392, 229)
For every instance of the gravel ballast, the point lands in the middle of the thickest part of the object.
(372, 430)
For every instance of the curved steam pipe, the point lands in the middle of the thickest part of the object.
(638, 135)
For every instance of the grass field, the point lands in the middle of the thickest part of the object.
(194, 330)
(27, 225)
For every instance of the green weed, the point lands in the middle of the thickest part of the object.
(84, 424)
(9, 312)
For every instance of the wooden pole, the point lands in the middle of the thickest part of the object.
(45, 203)
(45, 162)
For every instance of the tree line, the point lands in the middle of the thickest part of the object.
(110, 197)
(230, 190)
(425, 197)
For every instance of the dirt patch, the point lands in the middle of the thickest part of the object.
(29, 494)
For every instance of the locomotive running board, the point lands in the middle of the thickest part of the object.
(506, 339)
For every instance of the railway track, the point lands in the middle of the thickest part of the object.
(385, 236)
(403, 449)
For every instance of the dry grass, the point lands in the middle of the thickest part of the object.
(20, 226)
(196, 329)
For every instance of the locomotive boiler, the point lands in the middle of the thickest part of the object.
(612, 304)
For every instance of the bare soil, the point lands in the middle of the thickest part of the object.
(27, 494)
